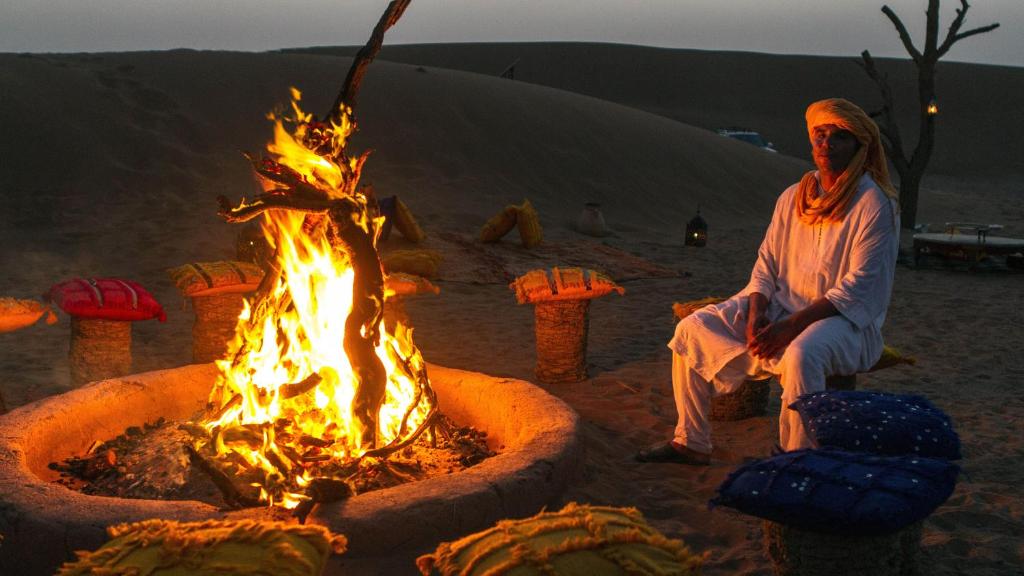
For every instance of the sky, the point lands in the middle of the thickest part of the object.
(823, 27)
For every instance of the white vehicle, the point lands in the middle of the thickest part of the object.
(748, 136)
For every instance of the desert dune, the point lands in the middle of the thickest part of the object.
(112, 164)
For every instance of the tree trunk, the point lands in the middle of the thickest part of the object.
(912, 171)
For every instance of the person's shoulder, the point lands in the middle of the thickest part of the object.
(873, 203)
(870, 195)
(788, 194)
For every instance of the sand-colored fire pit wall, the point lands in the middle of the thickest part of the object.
(43, 523)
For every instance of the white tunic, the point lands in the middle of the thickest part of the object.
(851, 263)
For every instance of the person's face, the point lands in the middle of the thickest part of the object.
(833, 148)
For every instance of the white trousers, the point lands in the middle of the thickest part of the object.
(827, 347)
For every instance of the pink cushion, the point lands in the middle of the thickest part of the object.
(105, 299)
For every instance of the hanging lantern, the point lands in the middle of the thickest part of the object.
(933, 107)
(696, 231)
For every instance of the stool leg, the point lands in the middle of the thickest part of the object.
(561, 329)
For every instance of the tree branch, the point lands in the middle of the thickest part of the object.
(949, 42)
(888, 127)
(904, 35)
(349, 91)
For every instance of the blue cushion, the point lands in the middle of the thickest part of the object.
(840, 492)
(889, 424)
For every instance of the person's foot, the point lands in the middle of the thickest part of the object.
(675, 453)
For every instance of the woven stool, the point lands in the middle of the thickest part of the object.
(561, 328)
(216, 317)
(100, 349)
(801, 553)
(748, 401)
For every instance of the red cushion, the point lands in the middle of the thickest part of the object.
(106, 299)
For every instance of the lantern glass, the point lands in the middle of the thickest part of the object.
(696, 232)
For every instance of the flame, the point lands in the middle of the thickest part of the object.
(297, 335)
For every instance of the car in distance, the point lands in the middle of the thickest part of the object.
(748, 136)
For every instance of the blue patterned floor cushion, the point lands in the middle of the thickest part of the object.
(888, 424)
(840, 492)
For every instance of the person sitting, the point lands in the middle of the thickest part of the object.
(817, 295)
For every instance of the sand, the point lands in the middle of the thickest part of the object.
(112, 163)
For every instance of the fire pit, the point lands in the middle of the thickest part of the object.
(42, 523)
(314, 390)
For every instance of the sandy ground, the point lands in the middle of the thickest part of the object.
(113, 161)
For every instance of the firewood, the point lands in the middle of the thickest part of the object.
(300, 388)
(232, 495)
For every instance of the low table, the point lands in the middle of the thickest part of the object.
(967, 247)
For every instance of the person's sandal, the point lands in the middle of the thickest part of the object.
(674, 453)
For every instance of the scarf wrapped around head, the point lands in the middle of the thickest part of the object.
(870, 157)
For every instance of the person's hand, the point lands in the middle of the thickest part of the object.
(755, 324)
(773, 338)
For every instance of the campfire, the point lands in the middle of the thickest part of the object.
(320, 397)
(315, 387)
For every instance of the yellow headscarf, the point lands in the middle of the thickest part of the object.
(870, 157)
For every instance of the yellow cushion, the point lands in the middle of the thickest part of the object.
(402, 284)
(210, 548)
(17, 313)
(529, 225)
(563, 284)
(684, 309)
(499, 224)
(208, 278)
(406, 223)
(419, 262)
(577, 540)
(892, 357)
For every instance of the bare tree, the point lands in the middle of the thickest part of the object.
(911, 169)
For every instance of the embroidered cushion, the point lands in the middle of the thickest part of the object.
(562, 284)
(889, 424)
(105, 299)
(210, 548)
(209, 278)
(840, 492)
(579, 539)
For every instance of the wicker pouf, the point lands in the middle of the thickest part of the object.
(100, 349)
(748, 401)
(561, 328)
(801, 553)
(216, 317)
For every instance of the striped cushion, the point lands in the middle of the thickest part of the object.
(105, 299)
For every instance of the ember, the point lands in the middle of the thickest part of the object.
(156, 462)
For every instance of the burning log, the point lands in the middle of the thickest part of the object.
(316, 320)
(232, 495)
(300, 388)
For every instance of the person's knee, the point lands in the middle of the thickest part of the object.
(803, 358)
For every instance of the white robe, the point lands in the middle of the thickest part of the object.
(851, 263)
